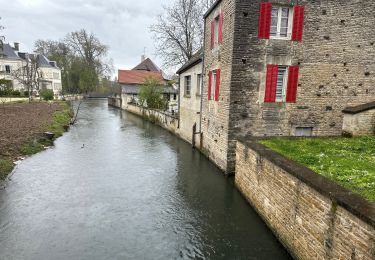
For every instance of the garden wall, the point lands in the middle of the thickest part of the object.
(313, 217)
(115, 102)
(160, 118)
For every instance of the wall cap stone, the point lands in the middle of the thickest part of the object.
(360, 108)
(352, 202)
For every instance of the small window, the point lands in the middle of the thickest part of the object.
(7, 69)
(174, 96)
(213, 84)
(304, 131)
(187, 85)
(216, 30)
(281, 22)
(199, 84)
(281, 83)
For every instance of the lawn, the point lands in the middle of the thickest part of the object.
(347, 161)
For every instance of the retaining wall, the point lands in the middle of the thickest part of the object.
(313, 217)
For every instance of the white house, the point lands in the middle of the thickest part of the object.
(9, 62)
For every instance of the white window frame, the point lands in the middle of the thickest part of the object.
(199, 84)
(213, 85)
(285, 83)
(187, 91)
(290, 23)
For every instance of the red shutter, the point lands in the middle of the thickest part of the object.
(212, 34)
(292, 84)
(264, 27)
(209, 85)
(220, 40)
(217, 87)
(298, 20)
(271, 82)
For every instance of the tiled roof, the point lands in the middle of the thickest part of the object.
(147, 65)
(137, 77)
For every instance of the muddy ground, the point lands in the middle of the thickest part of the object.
(21, 122)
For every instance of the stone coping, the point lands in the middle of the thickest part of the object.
(360, 108)
(352, 202)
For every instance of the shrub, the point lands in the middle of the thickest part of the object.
(150, 94)
(46, 94)
(16, 93)
(26, 93)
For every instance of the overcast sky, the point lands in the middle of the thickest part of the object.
(123, 25)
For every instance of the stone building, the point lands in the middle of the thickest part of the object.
(190, 88)
(10, 62)
(283, 68)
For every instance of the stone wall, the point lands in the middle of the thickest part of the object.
(160, 118)
(313, 217)
(336, 70)
(360, 120)
(114, 102)
(215, 114)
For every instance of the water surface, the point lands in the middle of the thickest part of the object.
(117, 187)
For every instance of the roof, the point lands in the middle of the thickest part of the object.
(8, 52)
(137, 76)
(214, 5)
(43, 61)
(196, 59)
(134, 89)
(360, 108)
(147, 65)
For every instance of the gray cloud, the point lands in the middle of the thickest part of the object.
(123, 25)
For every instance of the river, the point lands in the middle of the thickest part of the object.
(118, 187)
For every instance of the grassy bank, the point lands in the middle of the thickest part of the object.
(348, 161)
(35, 142)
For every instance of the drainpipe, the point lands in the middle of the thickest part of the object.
(203, 80)
(179, 101)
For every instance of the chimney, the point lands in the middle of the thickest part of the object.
(143, 57)
(16, 46)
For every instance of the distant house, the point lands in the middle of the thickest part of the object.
(11, 60)
(190, 90)
(131, 82)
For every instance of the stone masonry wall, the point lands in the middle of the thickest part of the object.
(215, 114)
(312, 217)
(337, 69)
(360, 124)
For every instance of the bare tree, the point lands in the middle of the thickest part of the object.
(178, 32)
(28, 74)
(90, 49)
(2, 37)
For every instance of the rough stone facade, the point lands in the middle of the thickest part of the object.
(313, 218)
(336, 61)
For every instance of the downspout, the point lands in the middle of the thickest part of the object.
(203, 80)
(179, 101)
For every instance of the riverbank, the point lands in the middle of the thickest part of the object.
(22, 127)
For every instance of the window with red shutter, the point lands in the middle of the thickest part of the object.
(291, 94)
(209, 85)
(264, 26)
(271, 83)
(212, 34)
(220, 39)
(217, 85)
(298, 21)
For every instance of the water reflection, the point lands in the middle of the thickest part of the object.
(134, 191)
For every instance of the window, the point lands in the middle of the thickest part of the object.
(199, 84)
(174, 96)
(304, 131)
(281, 83)
(56, 75)
(187, 85)
(213, 83)
(7, 69)
(217, 30)
(280, 22)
